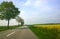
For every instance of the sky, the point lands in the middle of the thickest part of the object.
(36, 11)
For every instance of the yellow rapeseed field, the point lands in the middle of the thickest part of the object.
(46, 31)
(49, 26)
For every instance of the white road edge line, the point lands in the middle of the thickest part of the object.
(10, 34)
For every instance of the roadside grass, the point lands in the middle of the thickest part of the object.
(3, 28)
(47, 31)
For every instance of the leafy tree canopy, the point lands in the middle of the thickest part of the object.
(8, 10)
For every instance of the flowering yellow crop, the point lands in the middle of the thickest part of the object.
(49, 26)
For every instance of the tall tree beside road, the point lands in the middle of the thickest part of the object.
(20, 20)
(8, 11)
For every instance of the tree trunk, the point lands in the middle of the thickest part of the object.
(22, 23)
(8, 23)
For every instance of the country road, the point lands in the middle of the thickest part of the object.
(18, 33)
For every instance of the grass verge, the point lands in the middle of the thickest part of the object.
(45, 33)
(3, 28)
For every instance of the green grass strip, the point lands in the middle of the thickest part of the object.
(44, 33)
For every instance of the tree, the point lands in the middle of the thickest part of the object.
(20, 20)
(8, 11)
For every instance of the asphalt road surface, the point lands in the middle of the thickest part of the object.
(18, 33)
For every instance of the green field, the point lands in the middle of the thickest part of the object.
(2, 28)
(47, 31)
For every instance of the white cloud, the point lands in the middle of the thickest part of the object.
(28, 2)
(35, 3)
(42, 4)
(22, 11)
(8, 0)
(39, 3)
(3, 22)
